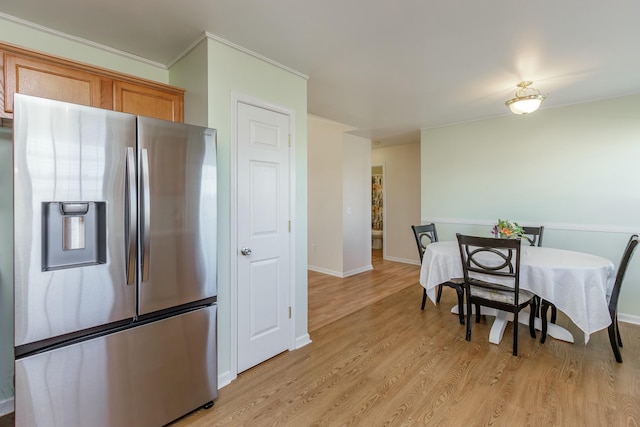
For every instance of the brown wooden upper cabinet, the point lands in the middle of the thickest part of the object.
(32, 73)
(24, 75)
(146, 101)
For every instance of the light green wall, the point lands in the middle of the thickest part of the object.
(191, 73)
(29, 38)
(573, 169)
(208, 103)
(231, 70)
(210, 73)
(6, 265)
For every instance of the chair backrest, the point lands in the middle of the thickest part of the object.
(622, 269)
(534, 234)
(497, 259)
(424, 235)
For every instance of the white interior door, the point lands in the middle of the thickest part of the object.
(263, 235)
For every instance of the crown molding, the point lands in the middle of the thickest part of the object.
(204, 35)
(250, 53)
(81, 41)
(189, 48)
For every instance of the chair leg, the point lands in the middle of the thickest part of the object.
(554, 311)
(532, 318)
(477, 313)
(618, 332)
(460, 293)
(469, 311)
(543, 316)
(424, 297)
(515, 333)
(439, 294)
(613, 340)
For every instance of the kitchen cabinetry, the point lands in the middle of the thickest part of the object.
(24, 75)
(147, 101)
(32, 73)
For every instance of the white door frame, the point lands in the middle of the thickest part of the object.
(236, 98)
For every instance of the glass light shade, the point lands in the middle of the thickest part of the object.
(527, 99)
(525, 105)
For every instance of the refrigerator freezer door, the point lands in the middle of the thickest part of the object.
(68, 156)
(145, 376)
(178, 220)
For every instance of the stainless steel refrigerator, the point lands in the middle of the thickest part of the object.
(114, 266)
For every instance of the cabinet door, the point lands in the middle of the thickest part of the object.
(32, 77)
(147, 101)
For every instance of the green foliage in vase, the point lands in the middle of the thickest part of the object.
(507, 229)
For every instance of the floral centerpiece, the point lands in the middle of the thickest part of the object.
(506, 229)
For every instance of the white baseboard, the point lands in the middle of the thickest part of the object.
(6, 406)
(303, 340)
(628, 318)
(402, 260)
(225, 379)
(357, 271)
(339, 274)
(325, 271)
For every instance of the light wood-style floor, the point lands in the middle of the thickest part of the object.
(332, 298)
(390, 363)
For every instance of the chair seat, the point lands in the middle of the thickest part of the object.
(499, 293)
(495, 292)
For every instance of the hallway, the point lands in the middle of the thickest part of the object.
(332, 298)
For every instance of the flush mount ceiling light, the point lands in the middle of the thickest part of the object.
(527, 100)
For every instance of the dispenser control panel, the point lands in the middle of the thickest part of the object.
(74, 234)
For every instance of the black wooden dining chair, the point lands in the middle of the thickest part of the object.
(534, 236)
(424, 235)
(498, 260)
(614, 331)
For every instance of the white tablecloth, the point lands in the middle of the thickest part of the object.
(577, 283)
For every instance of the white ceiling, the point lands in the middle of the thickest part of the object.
(388, 68)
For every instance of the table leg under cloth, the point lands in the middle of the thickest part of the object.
(502, 317)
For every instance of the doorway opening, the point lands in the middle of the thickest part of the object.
(377, 210)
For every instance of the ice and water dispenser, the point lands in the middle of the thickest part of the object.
(74, 234)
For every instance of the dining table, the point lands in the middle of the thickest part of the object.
(576, 283)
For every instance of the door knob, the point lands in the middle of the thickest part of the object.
(245, 251)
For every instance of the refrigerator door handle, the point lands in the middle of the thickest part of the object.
(130, 215)
(146, 215)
